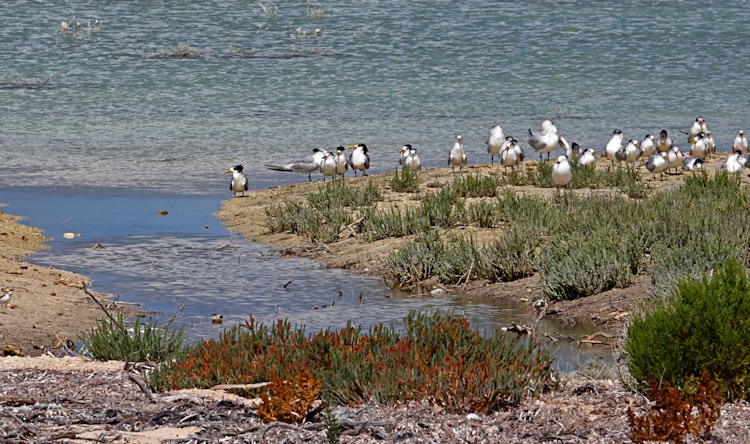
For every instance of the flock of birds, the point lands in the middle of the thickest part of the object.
(659, 155)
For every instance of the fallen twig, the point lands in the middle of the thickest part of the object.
(175, 315)
(240, 386)
(142, 386)
(109, 315)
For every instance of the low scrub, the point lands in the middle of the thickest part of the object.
(405, 181)
(114, 340)
(438, 357)
(705, 325)
(477, 186)
(513, 255)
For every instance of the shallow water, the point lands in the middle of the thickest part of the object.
(100, 130)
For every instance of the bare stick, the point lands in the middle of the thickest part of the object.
(109, 315)
(240, 386)
(142, 386)
(175, 315)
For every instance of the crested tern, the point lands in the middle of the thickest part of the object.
(308, 165)
(614, 145)
(572, 152)
(403, 154)
(412, 162)
(692, 163)
(328, 165)
(457, 156)
(495, 142)
(732, 164)
(657, 164)
(648, 146)
(699, 148)
(699, 126)
(740, 143)
(674, 158)
(342, 165)
(665, 142)
(546, 140)
(632, 151)
(359, 160)
(710, 143)
(588, 158)
(562, 173)
(511, 154)
(239, 181)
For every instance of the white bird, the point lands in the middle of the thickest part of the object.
(496, 141)
(732, 164)
(699, 148)
(562, 174)
(546, 140)
(614, 145)
(665, 142)
(588, 158)
(328, 165)
(710, 143)
(342, 164)
(657, 164)
(572, 152)
(403, 154)
(648, 146)
(412, 162)
(692, 164)
(457, 155)
(239, 181)
(5, 299)
(631, 151)
(511, 155)
(674, 158)
(308, 165)
(359, 159)
(699, 126)
(740, 142)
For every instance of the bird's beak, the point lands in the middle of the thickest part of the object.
(227, 171)
(351, 146)
(596, 152)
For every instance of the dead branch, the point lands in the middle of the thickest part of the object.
(240, 386)
(176, 314)
(350, 226)
(109, 315)
(141, 386)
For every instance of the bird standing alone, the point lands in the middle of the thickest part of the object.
(239, 181)
(457, 155)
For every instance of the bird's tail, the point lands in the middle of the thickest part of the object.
(277, 168)
(530, 133)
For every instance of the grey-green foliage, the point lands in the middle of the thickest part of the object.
(513, 255)
(115, 340)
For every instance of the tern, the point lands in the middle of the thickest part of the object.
(412, 162)
(403, 154)
(546, 140)
(648, 146)
(572, 152)
(495, 142)
(328, 165)
(457, 156)
(588, 158)
(710, 143)
(699, 148)
(308, 165)
(691, 163)
(740, 142)
(657, 164)
(342, 165)
(674, 158)
(5, 299)
(732, 164)
(239, 181)
(699, 126)
(665, 142)
(511, 155)
(614, 145)
(562, 174)
(359, 160)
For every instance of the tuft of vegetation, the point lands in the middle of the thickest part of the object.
(705, 325)
(438, 356)
(180, 51)
(676, 414)
(113, 340)
(289, 400)
(477, 186)
(323, 224)
(337, 194)
(405, 181)
(513, 255)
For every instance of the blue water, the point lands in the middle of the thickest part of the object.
(100, 130)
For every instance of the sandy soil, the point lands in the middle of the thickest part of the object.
(610, 309)
(74, 401)
(48, 306)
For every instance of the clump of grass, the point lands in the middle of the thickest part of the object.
(483, 214)
(416, 260)
(443, 209)
(318, 224)
(337, 194)
(384, 223)
(459, 260)
(477, 186)
(113, 340)
(438, 354)
(405, 181)
(543, 176)
(513, 255)
(704, 325)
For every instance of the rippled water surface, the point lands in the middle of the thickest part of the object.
(101, 128)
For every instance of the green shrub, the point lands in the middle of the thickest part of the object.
(322, 224)
(482, 213)
(416, 260)
(477, 186)
(438, 356)
(582, 264)
(458, 260)
(405, 181)
(706, 325)
(338, 194)
(513, 255)
(443, 209)
(113, 340)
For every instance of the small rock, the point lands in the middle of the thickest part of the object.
(162, 212)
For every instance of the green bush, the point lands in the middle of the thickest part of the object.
(438, 356)
(477, 186)
(405, 181)
(705, 325)
(113, 340)
(513, 255)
